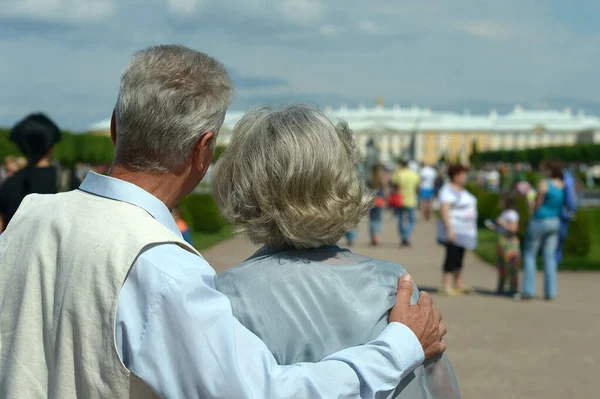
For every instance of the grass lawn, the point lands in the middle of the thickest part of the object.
(207, 240)
(486, 248)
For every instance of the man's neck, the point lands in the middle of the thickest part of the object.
(43, 163)
(164, 186)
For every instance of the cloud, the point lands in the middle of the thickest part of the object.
(370, 28)
(328, 30)
(184, 8)
(488, 30)
(301, 11)
(70, 11)
(447, 54)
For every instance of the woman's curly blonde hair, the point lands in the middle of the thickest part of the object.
(289, 178)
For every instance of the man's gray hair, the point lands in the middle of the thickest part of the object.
(170, 96)
(289, 178)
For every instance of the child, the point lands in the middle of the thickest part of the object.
(508, 255)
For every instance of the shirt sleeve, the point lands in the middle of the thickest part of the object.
(189, 344)
(446, 196)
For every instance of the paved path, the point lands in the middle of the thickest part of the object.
(499, 348)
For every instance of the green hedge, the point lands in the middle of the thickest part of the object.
(72, 148)
(201, 211)
(574, 153)
(581, 235)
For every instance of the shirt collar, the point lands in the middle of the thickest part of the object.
(120, 190)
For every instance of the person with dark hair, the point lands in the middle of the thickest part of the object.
(457, 228)
(543, 231)
(376, 183)
(35, 136)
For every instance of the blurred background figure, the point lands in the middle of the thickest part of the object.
(414, 166)
(524, 189)
(428, 176)
(491, 178)
(457, 228)
(567, 213)
(508, 246)
(376, 183)
(350, 237)
(373, 155)
(35, 136)
(184, 229)
(408, 181)
(543, 231)
(10, 167)
(395, 199)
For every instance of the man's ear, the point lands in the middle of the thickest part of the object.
(204, 151)
(113, 128)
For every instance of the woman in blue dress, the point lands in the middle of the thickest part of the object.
(289, 181)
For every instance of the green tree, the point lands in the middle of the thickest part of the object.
(475, 157)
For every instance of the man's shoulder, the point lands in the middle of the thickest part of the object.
(173, 261)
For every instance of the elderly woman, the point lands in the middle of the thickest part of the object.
(289, 181)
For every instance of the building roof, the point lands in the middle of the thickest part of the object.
(425, 119)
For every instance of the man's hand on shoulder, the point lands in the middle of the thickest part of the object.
(421, 318)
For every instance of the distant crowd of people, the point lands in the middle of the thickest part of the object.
(551, 206)
(404, 190)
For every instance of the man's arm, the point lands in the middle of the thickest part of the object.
(192, 346)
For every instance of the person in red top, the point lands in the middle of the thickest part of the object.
(395, 199)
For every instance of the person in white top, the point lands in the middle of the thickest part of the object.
(428, 176)
(457, 228)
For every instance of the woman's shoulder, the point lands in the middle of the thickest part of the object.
(247, 271)
(386, 267)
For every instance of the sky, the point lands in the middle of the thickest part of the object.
(65, 57)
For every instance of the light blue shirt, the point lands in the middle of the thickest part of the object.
(176, 332)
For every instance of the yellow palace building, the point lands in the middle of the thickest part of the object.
(426, 135)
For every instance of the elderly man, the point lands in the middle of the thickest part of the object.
(101, 297)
